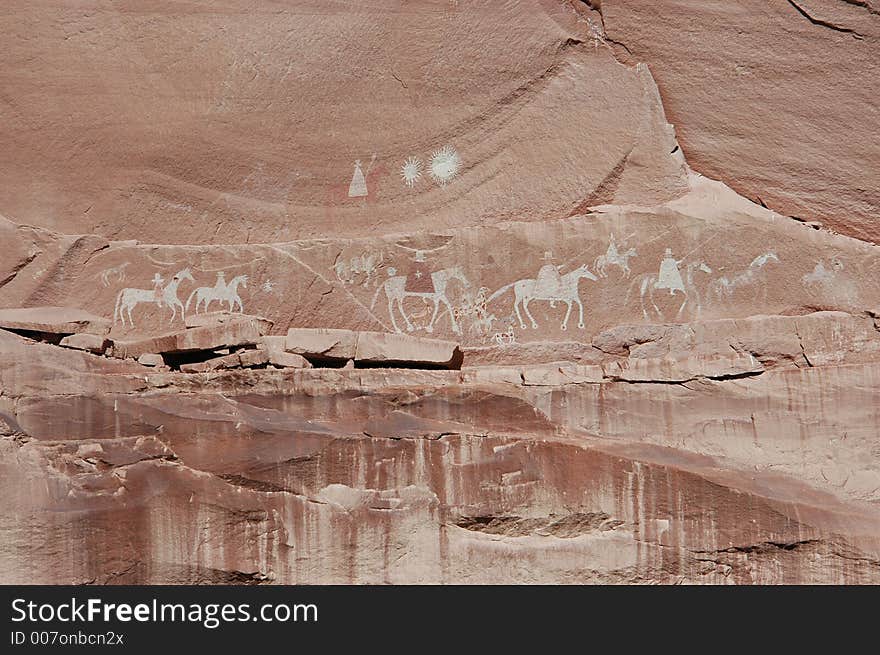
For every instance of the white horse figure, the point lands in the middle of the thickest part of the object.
(127, 299)
(395, 291)
(525, 291)
(648, 283)
(613, 257)
(220, 291)
(725, 287)
(821, 276)
(117, 272)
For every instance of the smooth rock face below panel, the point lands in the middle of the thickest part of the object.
(554, 474)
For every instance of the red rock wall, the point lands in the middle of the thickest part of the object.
(775, 98)
(225, 122)
(475, 172)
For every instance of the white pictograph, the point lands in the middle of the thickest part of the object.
(113, 274)
(506, 338)
(432, 289)
(613, 257)
(445, 165)
(551, 286)
(268, 286)
(358, 185)
(221, 291)
(166, 296)
(670, 278)
(158, 281)
(725, 286)
(822, 276)
(357, 188)
(473, 307)
(361, 269)
(829, 281)
(411, 171)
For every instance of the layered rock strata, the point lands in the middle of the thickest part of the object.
(620, 471)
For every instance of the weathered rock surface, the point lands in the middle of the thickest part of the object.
(322, 342)
(444, 480)
(771, 97)
(778, 266)
(223, 318)
(212, 364)
(287, 360)
(91, 342)
(151, 359)
(246, 331)
(253, 357)
(53, 320)
(627, 372)
(133, 349)
(209, 334)
(372, 348)
(389, 349)
(251, 122)
(559, 373)
(278, 356)
(242, 359)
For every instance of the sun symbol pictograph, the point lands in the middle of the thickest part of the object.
(411, 171)
(445, 165)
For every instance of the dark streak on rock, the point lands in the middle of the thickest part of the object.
(823, 23)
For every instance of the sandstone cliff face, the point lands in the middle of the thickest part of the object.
(777, 98)
(656, 380)
(227, 123)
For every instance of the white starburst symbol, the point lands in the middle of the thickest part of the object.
(411, 171)
(268, 286)
(445, 165)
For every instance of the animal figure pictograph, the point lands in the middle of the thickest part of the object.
(117, 272)
(670, 278)
(725, 286)
(365, 265)
(166, 296)
(396, 292)
(550, 287)
(613, 257)
(222, 291)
